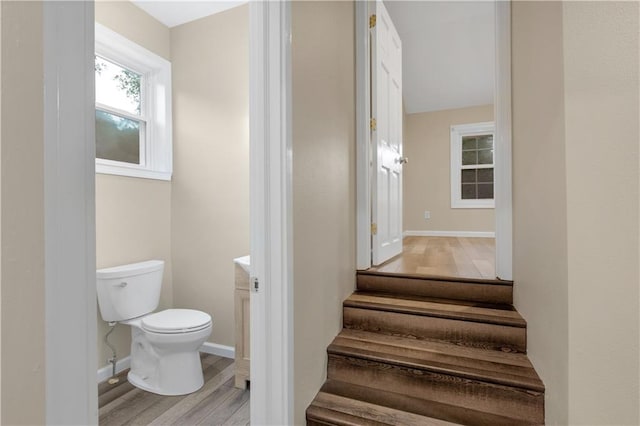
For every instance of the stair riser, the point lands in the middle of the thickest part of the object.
(419, 384)
(467, 333)
(317, 417)
(473, 292)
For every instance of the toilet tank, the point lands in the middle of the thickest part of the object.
(129, 291)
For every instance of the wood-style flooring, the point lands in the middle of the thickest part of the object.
(218, 402)
(444, 256)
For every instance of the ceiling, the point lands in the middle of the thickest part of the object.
(448, 53)
(173, 13)
(448, 46)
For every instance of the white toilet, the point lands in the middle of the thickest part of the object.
(165, 344)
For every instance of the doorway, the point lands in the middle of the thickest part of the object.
(487, 101)
(166, 106)
(70, 226)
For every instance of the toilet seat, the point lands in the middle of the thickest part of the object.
(174, 321)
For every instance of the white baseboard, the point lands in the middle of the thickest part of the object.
(220, 350)
(209, 348)
(105, 372)
(464, 234)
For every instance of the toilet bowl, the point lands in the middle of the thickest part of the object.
(165, 345)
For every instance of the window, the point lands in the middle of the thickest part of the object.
(472, 165)
(133, 109)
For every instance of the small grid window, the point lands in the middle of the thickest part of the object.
(477, 167)
(472, 166)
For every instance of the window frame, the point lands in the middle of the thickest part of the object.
(156, 155)
(457, 133)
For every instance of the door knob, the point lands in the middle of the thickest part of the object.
(403, 160)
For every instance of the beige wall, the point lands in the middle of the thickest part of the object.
(135, 24)
(426, 178)
(575, 121)
(133, 223)
(539, 195)
(133, 216)
(0, 216)
(323, 184)
(210, 188)
(601, 110)
(22, 194)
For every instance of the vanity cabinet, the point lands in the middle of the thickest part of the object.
(242, 317)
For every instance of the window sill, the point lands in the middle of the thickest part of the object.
(108, 169)
(473, 204)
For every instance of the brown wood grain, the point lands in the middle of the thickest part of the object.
(217, 402)
(441, 308)
(464, 333)
(437, 360)
(447, 256)
(373, 412)
(431, 338)
(491, 398)
(476, 290)
(414, 404)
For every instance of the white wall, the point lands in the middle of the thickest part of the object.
(323, 70)
(427, 176)
(210, 188)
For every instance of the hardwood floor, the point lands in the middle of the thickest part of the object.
(444, 256)
(217, 403)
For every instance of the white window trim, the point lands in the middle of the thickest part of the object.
(156, 155)
(457, 133)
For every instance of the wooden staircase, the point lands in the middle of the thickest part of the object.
(421, 350)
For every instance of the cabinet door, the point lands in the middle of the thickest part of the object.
(242, 319)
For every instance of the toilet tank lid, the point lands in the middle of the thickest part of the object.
(130, 269)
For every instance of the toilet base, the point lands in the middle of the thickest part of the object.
(167, 364)
(177, 374)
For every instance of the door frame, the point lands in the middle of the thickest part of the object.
(70, 249)
(71, 392)
(503, 139)
(271, 213)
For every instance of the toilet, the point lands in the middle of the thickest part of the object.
(164, 345)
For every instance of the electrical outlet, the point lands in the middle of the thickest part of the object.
(427, 214)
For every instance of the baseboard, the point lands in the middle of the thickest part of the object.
(220, 350)
(105, 372)
(209, 348)
(464, 234)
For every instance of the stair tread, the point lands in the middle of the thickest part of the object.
(502, 368)
(364, 413)
(427, 277)
(364, 405)
(330, 417)
(442, 308)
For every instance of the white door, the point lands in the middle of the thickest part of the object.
(386, 137)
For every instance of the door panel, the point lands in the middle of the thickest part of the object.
(386, 137)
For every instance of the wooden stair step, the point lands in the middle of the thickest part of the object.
(331, 409)
(508, 401)
(440, 308)
(444, 320)
(323, 416)
(369, 406)
(509, 369)
(477, 290)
